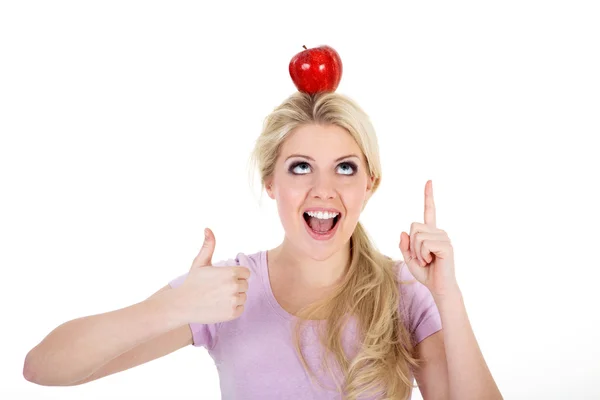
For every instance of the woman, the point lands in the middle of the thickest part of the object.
(373, 327)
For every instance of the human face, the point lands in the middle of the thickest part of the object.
(319, 168)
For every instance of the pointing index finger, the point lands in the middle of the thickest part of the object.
(429, 204)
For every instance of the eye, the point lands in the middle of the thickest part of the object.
(300, 168)
(347, 168)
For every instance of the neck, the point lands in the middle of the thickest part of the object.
(306, 271)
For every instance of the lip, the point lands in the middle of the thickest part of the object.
(325, 236)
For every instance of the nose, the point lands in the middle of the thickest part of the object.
(324, 187)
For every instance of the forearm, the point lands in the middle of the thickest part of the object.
(77, 348)
(468, 374)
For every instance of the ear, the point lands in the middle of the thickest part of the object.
(269, 188)
(370, 185)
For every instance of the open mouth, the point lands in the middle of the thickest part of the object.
(320, 224)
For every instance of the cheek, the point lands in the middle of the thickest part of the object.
(354, 204)
(353, 198)
(290, 197)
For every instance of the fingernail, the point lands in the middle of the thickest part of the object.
(205, 233)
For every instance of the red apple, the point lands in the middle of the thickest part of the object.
(316, 70)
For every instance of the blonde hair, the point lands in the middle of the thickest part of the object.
(370, 290)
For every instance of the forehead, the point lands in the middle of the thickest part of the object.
(320, 142)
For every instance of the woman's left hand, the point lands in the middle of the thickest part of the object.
(428, 252)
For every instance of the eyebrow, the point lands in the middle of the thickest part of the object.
(312, 159)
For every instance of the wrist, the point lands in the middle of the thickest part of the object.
(451, 294)
(169, 305)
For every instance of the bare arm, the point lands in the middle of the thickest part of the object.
(468, 373)
(432, 375)
(145, 352)
(90, 347)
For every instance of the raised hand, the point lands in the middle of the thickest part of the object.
(428, 252)
(212, 294)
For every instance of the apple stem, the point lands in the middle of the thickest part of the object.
(304, 47)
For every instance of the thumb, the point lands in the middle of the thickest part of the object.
(413, 263)
(405, 246)
(204, 257)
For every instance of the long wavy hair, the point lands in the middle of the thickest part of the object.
(384, 361)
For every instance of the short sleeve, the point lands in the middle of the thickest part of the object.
(204, 335)
(418, 306)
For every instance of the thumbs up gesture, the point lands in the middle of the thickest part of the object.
(213, 294)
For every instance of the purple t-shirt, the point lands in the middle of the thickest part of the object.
(254, 353)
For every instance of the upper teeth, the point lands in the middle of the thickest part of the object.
(322, 214)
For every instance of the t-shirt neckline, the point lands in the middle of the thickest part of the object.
(266, 281)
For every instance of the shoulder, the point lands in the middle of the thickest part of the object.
(254, 261)
(417, 304)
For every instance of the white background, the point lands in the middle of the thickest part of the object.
(126, 129)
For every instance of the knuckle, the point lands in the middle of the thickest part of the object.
(239, 298)
(235, 311)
